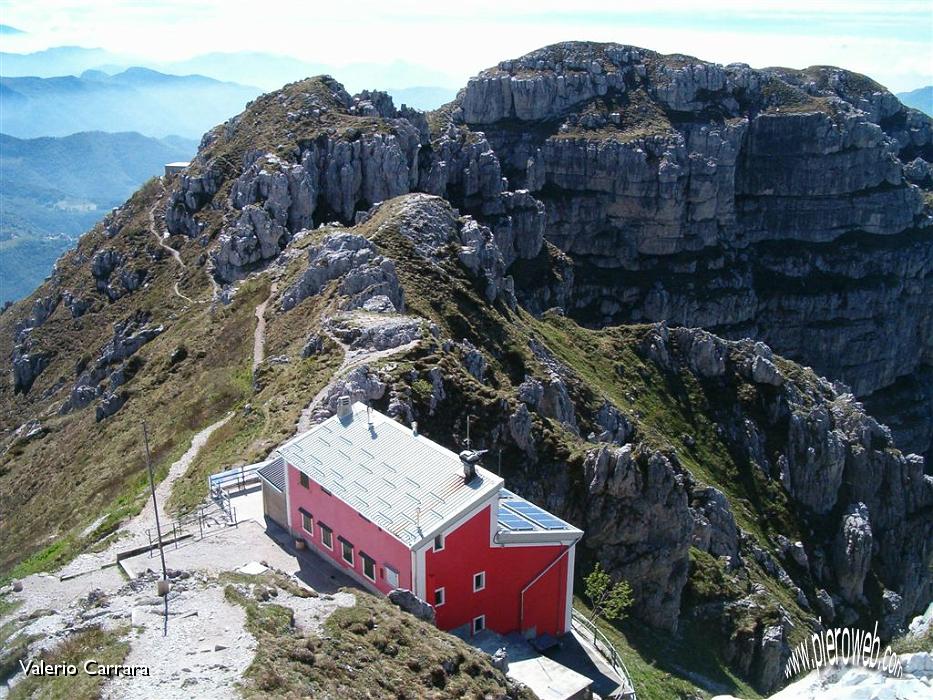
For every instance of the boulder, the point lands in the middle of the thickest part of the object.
(411, 603)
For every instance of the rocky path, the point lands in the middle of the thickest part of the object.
(351, 360)
(157, 233)
(259, 336)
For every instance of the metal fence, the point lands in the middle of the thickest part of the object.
(238, 477)
(188, 525)
(235, 479)
(605, 648)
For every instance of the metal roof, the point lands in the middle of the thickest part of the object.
(273, 471)
(405, 483)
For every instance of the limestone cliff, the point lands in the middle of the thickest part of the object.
(778, 204)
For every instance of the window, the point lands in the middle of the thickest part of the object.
(346, 551)
(303, 478)
(479, 581)
(307, 522)
(439, 543)
(326, 491)
(391, 576)
(439, 597)
(479, 624)
(369, 566)
(327, 536)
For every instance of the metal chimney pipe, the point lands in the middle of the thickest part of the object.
(344, 409)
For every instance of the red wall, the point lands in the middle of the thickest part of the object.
(346, 522)
(508, 570)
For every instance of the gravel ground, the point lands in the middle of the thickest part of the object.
(205, 648)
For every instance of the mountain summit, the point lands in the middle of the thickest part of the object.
(521, 261)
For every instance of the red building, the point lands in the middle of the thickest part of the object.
(395, 510)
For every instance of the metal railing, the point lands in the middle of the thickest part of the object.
(605, 648)
(238, 476)
(190, 524)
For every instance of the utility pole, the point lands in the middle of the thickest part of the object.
(155, 509)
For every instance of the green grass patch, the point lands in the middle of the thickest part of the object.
(101, 646)
(912, 644)
(372, 649)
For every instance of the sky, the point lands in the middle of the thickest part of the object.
(891, 41)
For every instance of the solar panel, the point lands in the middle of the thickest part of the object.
(536, 515)
(513, 521)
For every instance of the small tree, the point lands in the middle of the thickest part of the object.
(608, 600)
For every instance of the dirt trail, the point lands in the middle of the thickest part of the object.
(351, 360)
(259, 336)
(154, 229)
(133, 533)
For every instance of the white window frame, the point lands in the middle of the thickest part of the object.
(307, 518)
(330, 533)
(364, 557)
(482, 620)
(443, 591)
(343, 552)
(390, 575)
(482, 587)
(439, 540)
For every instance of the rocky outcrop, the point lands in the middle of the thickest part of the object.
(411, 603)
(852, 552)
(714, 528)
(352, 258)
(26, 367)
(380, 333)
(115, 363)
(770, 203)
(639, 521)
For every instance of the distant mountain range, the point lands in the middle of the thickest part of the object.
(54, 189)
(921, 98)
(138, 99)
(418, 86)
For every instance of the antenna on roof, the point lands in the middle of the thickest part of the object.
(466, 443)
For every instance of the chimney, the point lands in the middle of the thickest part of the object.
(344, 410)
(414, 428)
(469, 460)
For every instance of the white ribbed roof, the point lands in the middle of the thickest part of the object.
(405, 483)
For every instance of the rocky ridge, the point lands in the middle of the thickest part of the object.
(728, 484)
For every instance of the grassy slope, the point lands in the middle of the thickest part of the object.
(175, 399)
(369, 650)
(104, 647)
